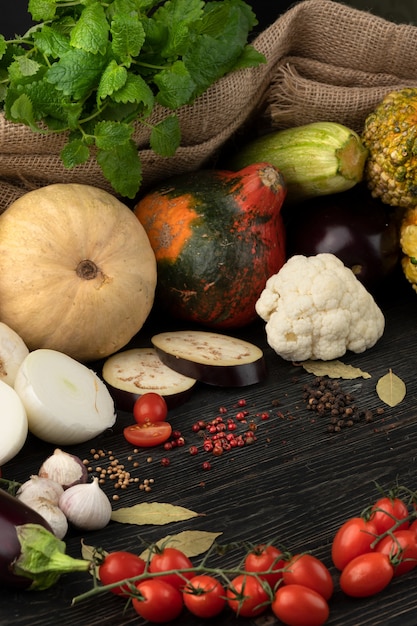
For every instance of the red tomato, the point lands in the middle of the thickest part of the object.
(413, 527)
(353, 538)
(401, 547)
(296, 605)
(120, 565)
(307, 570)
(246, 596)
(150, 408)
(366, 575)
(159, 602)
(387, 511)
(147, 435)
(204, 596)
(167, 559)
(263, 558)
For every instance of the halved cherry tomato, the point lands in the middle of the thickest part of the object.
(401, 547)
(159, 603)
(246, 596)
(204, 596)
(167, 559)
(353, 538)
(150, 408)
(118, 566)
(387, 511)
(265, 557)
(147, 435)
(296, 605)
(309, 571)
(366, 575)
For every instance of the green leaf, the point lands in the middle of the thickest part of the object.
(27, 67)
(51, 42)
(77, 73)
(122, 167)
(175, 85)
(91, 31)
(108, 135)
(42, 10)
(128, 36)
(166, 136)
(74, 153)
(113, 78)
(3, 46)
(22, 111)
(250, 57)
(135, 90)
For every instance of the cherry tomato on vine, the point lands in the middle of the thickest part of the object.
(246, 596)
(160, 602)
(167, 559)
(297, 605)
(354, 537)
(366, 575)
(265, 557)
(150, 408)
(309, 571)
(204, 596)
(386, 511)
(147, 435)
(401, 547)
(120, 565)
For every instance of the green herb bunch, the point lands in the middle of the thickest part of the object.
(95, 68)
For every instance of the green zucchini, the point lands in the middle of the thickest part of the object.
(315, 159)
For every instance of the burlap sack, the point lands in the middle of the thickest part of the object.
(325, 61)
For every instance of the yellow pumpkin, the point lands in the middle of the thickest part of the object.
(77, 271)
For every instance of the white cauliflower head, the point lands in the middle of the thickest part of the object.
(316, 308)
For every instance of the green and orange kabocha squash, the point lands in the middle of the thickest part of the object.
(217, 236)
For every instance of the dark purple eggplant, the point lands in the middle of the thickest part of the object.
(360, 230)
(14, 513)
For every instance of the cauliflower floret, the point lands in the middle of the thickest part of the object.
(316, 308)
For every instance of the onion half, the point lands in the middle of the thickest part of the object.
(65, 401)
(13, 423)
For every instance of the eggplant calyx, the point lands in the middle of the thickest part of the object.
(42, 558)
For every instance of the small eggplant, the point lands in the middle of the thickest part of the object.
(14, 513)
(360, 230)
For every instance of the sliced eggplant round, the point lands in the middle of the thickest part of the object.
(132, 373)
(210, 357)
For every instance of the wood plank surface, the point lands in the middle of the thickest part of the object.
(296, 484)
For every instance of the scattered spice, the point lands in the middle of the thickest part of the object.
(112, 470)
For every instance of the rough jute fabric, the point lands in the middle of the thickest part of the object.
(325, 61)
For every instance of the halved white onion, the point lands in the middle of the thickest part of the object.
(65, 401)
(13, 423)
(12, 352)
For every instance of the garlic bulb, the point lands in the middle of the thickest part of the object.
(86, 505)
(64, 468)
(37, 487)
(52, 514)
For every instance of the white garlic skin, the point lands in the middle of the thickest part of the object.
(51, 513)
(39, 487)
(64, 468)
(86, 506)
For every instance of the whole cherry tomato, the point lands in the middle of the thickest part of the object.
(309, 571)
(150, 408)
(265, 557)
(118, 566)
(204, 596)
(167, 559)
(246, 596)
(353, 538)
(387, 511)
(297, 605)
(366, 575)
(158, 601)
(401, 547)
(147, 435)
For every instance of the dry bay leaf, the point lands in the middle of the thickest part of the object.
(334, 369)
(391, 389)
(156, 513)
(191, 542)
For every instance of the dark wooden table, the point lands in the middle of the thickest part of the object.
(297, 483)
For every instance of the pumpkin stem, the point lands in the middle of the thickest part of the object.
(87, 269)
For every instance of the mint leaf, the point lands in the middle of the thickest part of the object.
(42, 10)
(22, 111)
(112, 79)
(122, 167)
(128, 37)
(90, 33)
(176, 86)
(111, 134)
(77, 73)
(166, 136)
(136, 90)
(74, 153)
(51, 42)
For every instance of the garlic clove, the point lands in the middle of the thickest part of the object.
(37, 487)
(51, 513)
(64, 468)
(86, 505)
